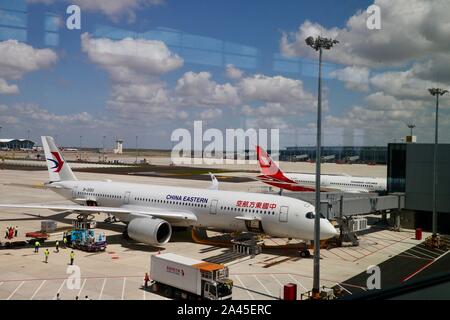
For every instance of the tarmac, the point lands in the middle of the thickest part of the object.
(118, 272)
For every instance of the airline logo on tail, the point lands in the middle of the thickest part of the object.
(273, 175)
(57, 162)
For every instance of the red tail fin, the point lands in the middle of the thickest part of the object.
(268, 166)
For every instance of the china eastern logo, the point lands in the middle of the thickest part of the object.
(57, 162)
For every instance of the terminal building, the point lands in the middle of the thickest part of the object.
(16, 144)
(374, 154)
(410, 171)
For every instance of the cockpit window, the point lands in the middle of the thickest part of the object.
(310, 215)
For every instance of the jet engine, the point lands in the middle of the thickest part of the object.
(151, 231)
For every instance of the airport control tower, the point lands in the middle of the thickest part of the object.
(119, 146)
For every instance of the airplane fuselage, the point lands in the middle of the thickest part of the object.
(344, 183)
(229, 211)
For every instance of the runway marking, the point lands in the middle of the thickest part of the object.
(123, 287)
(246, 289)
(39, 288)
(256, 278)
(18, 287)
(344, 288)
(81, 289)
(60, 287)
(423, 254)
(281, 285)
(425, 249)
(101, 291)
(423, 268)
(295, 280)
(303, 276)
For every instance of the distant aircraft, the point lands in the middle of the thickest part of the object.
(150, 211)
(271, 174)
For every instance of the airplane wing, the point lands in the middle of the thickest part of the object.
(136, 211)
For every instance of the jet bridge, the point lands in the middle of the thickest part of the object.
(346, 207)
(338, 204)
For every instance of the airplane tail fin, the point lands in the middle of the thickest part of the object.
(267, 166)
(58, 168)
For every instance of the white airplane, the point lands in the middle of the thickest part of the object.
(150, 211)
(271, 174)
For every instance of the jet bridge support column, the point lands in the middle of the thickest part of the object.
(397, 225)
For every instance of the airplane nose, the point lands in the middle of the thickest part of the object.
(327, 230)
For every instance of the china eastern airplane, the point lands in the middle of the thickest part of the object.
(150, 211)
(271, 174)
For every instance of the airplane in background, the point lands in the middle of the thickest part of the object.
(271, 174)
(150, 211)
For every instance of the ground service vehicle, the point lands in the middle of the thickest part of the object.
(185, 278)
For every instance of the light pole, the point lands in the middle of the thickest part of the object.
(411, 126)
(435, 92)
(318, 44)
(136, 149)
(103, 143)
(28, 134)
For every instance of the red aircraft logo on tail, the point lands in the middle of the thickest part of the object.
(58, 163)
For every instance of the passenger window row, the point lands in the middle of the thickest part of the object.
(102, 195)
(247, 210)
(199, 205)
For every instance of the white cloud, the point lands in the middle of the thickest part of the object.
(355, 78)
(197, 89)
(114, 9)
(18, 59)
(33, 116)
(403, 84)
(276, 89)
(135, 66)
(6, 88)
(410, 29)
(210, 114)
(130, 60)
(233, 73)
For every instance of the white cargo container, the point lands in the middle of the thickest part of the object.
(185, 278)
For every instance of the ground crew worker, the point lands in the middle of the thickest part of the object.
(36, 246)
(146, 280)
(6, 233)
(65, 242)
(15, 231)
(57, 246)
(72, 257)
(46, 253)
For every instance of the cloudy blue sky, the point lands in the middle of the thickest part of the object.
(147, 67)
